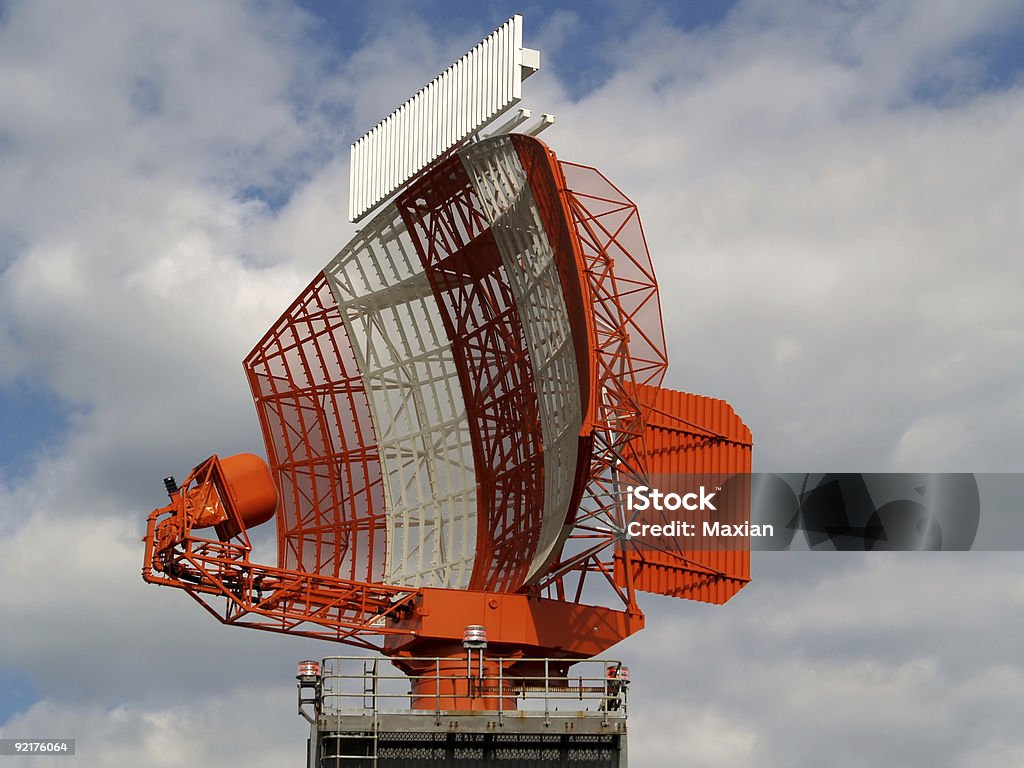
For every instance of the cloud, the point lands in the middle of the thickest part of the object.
(848, 660)
(134, 295)
(86, 624)
(144, 153)
(246, 724)
(843, 247)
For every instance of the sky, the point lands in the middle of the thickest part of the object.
(833, 196)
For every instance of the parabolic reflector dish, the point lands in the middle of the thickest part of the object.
(424, 401)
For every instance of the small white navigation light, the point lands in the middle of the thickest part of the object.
(309, 672)
(475, 636)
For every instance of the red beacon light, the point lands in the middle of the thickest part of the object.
(308, 673)
(475, 636)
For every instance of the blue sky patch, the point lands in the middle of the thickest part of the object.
(273, 197)
(17, 693)
(1003, 55)
(583, 60)
(30, 420)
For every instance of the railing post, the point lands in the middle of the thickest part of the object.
(437, 691)
(375, 683)
(547, 678)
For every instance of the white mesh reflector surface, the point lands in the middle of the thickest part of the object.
(416, 404)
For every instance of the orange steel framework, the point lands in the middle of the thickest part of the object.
(327, 483)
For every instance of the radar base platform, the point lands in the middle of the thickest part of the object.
(544, 720)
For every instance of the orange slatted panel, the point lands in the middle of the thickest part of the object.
(691, 440)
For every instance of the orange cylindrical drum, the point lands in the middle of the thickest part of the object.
(251, 486)
(456, 683)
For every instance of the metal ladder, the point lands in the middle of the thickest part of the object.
(332, 747)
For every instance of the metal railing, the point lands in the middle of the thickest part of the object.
(360, 685)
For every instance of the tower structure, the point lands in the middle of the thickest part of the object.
(453, 411)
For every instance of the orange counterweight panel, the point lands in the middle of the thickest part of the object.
(698, 441)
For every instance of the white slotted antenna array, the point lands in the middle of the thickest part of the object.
(482, 85)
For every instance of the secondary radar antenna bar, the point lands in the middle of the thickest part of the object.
(478, 88)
